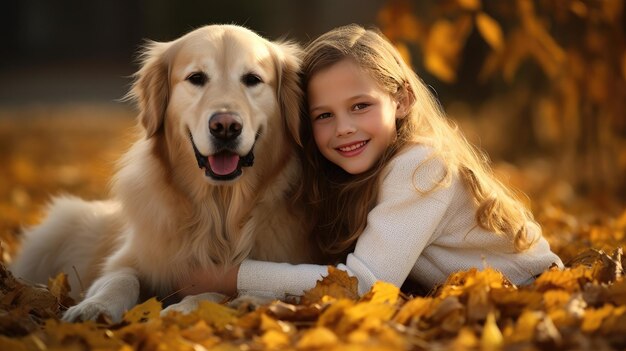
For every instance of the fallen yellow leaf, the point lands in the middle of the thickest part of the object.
(471, 5)
(593, 318)
(364, 310)
(382, 292)
(526, 325)
(333, 314)
(491, 339)
(215, 314)
(143, 312)
(318, 337)
(414, 308)
(490, 30)
(337, 284)
(273, 339)
(12, 344)
(465, 340)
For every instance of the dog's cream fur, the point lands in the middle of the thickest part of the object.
(167, 217)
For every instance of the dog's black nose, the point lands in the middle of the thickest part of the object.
(225, 125)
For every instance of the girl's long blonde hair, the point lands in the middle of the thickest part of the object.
(341, 202)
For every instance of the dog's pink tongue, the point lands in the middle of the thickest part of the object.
(224, 163)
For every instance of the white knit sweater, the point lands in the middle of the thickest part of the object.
(408, 234)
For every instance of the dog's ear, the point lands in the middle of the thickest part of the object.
(150, 89)
(289, 91)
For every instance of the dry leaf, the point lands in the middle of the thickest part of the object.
(201, 333)
(216, 315)
(445, 41)
(365, 310)
(143, 312)
(490, 31)
(526, 326)
(317, 338)
(337, 284)
(295, 313)
(413, 309)
(579, 8)
(399, 22)
(465, 340)
(616, 293)
(491, 338)
(86, 333)
(333, 314)
(59, 287)
(555, 299)
(449, 314)
(382, 292)
(478, 303)
(471, 5)
(274, 339)
(569, 279)
(615, 323)
(608, 269)
(593, 318)
(437, 65)
(12, 344)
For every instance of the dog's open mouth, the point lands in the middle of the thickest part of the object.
(224, 165)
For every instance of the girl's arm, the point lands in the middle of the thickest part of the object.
(258, 278)
(398, 229)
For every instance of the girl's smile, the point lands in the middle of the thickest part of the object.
(352, 149)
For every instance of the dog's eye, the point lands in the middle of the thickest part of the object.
(251, 79)
(197, 78)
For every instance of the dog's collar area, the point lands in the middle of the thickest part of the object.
(244, 161)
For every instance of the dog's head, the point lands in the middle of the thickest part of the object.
(220, 88)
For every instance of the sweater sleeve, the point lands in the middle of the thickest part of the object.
(277, 280)
(403, 222)
(398, 228)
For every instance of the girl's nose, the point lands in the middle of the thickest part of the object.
(344, 126)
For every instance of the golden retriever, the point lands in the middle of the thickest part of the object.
(208, 182)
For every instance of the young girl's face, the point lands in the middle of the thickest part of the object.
(354, 120)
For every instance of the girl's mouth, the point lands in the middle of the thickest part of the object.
(353, 149)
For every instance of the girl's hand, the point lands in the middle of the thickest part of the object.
(210, 280)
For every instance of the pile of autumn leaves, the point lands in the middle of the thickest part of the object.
(583, 306)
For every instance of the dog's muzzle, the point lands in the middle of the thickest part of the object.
(224, 165)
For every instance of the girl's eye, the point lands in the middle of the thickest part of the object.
(322, 116)
(360, 106)
(197, 78)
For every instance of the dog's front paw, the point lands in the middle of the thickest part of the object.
(190, 303)
(90, 310)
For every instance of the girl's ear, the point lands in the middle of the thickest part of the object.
(405, 102)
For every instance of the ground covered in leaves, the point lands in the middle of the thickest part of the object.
(581, 307)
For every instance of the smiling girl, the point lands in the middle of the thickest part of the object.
(395, 189)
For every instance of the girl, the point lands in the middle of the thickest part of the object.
(396, 191)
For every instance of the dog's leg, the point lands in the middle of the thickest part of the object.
(112, 295)
(73, 239)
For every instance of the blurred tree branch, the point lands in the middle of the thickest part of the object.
(578, 100)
